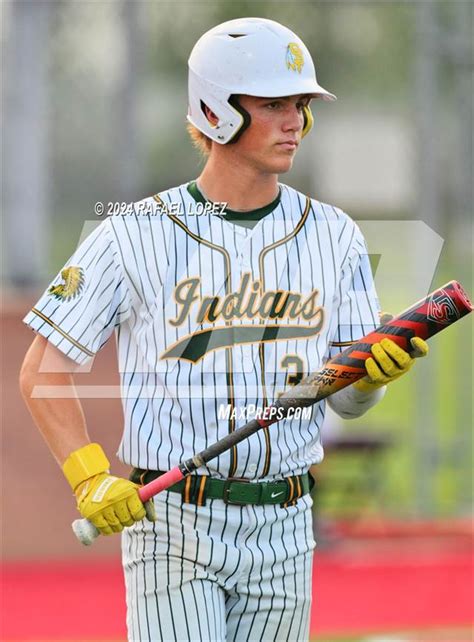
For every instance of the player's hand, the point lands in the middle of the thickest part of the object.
(109, 502)
(389, 362)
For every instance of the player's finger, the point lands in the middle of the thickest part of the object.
(112, 520)
(384, 361)
(150, 511)
(136, 508)
(398, 355)
(376, 375)
(101, 524)
(123, 514)
(420, 347)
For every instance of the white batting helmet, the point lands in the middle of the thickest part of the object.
(251, 56)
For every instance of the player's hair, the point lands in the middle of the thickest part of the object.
(202, 142)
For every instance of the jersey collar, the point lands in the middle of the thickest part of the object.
(245, 219)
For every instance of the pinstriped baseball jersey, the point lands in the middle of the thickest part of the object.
(212, 316)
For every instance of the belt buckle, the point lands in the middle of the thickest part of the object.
(227, 484)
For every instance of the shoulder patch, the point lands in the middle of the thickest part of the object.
(73, 282)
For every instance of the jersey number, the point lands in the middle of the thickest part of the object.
(295, 368)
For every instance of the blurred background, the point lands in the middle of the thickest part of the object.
(93, 109)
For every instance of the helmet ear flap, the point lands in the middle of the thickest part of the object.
(308, 121)
(234, 101)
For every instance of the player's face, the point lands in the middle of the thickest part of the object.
(271, 140)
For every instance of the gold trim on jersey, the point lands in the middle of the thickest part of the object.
(228, 284)
(341, 344)
(61, 332)
(261, 257)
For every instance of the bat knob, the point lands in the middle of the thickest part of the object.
(85, 531)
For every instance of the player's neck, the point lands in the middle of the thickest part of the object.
(241, 187)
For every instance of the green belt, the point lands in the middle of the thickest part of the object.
(195, 489)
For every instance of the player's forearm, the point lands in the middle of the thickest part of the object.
(60, 421)
(350, 403)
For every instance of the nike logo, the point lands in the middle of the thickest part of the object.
(273, 495)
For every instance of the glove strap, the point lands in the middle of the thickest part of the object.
(83, 463)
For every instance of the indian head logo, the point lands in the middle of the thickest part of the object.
(73, 282)
(294, 57)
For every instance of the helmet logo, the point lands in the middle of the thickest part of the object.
(294, 57)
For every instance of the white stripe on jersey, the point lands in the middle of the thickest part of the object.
(148, 274)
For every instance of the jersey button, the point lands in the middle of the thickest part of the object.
(252, 468)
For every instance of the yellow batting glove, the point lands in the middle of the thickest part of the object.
(109, 502)
(389, 362)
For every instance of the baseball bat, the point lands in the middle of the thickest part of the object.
(424, 319)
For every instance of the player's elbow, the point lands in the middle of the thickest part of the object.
(27, 377)
(25, 381)
(56, 369)
(30, 366)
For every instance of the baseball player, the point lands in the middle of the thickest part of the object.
(221, 292)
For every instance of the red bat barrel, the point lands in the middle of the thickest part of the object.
(424, 319)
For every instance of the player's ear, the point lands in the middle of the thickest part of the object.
(210, 115)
